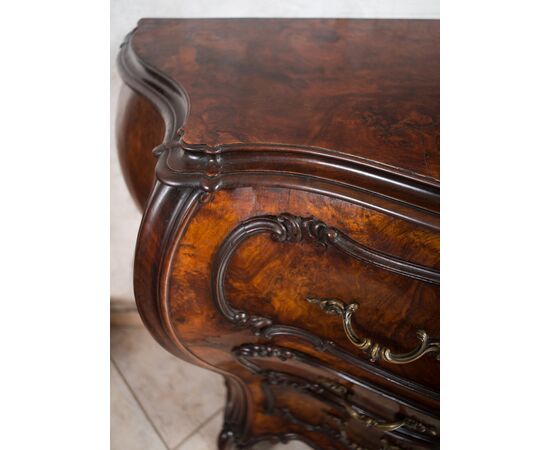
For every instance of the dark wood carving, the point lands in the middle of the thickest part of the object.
(335, 122)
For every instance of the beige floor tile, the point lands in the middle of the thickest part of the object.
(178, 397)
(206, 438)
(130, 429)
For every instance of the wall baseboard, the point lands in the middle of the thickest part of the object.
(124, 314)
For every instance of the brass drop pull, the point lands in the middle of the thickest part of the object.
(407, 422)
(371, 422)
(374, 350)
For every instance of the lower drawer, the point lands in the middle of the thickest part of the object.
(351, 412)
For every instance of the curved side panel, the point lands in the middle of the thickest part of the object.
(166, 218)
(140, 128)
(164, 207)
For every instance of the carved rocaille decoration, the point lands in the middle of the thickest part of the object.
(374, 350)
(320, 387)
(295, 229)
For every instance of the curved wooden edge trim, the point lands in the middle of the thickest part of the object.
(311, 169)
(147, 254)
(169, 98)
(390, 173)
(167, 215)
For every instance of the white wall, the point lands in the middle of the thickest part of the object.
(124, 16)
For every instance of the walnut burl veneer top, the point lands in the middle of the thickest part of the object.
(365, 87)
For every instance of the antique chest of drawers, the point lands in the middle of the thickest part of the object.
(288, 175)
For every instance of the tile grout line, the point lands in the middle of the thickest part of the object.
(139, 404)
(198, 428)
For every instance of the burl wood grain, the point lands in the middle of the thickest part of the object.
(369, 88)
(273, 279)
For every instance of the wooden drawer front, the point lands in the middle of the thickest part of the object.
(351, 412)
(304, 274)
(315, 415)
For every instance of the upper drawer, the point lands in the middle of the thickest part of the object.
(309, 276)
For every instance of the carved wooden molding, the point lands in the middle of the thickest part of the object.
(332, 173)
(169, 98)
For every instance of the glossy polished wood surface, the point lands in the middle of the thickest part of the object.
(267, 199)
(369, 88)
(139, 129)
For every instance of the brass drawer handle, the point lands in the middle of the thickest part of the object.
(374, 350)
(407, 422)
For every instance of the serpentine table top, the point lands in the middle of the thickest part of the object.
(368, 88)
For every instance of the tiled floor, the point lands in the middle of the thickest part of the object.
(159, 402)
